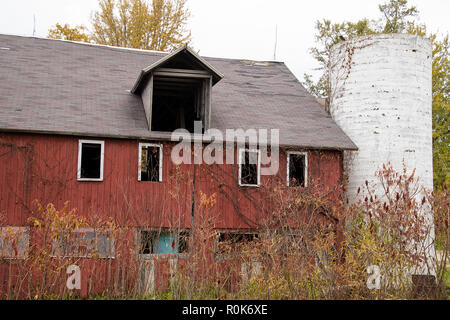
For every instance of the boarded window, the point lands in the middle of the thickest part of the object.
(90, 160)
(150, 162)
(154, 242)
(84, 243)
(14, 242)
(249, 166)
(297, 169)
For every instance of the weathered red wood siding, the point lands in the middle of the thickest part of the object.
(43, 168)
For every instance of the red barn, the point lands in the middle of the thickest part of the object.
(93, 125)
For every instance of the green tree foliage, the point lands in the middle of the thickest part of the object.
(394, 15)
(158, 25)
(441, 105)
(328, 34)
(65, 32)
(397, 17)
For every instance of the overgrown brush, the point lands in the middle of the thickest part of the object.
(313, 245)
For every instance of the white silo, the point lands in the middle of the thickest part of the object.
(380, 95)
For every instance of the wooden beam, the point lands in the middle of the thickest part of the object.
(189, 71)
(147, 100)
(208, 85)
(181, 74)
(177, 80)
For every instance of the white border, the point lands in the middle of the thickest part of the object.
(102, 156)
(258, 168)
(160, 146)
(306, 166)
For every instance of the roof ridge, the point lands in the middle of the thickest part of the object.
(136, 50)
(86, 43)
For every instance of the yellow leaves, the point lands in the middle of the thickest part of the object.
(65, 32)
(36, 222)
(57, 222)
(207, 202)
(158, 26)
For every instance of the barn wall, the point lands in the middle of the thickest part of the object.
(43, 168)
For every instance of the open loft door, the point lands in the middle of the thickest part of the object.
(176, 91)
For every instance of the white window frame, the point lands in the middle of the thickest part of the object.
(258, 167)
(160, 146)
(289, 153)
(102, 157)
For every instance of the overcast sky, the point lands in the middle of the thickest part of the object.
(243, 29)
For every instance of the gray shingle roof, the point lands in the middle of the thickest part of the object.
(54, 86)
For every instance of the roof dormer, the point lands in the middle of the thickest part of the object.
(176, 91)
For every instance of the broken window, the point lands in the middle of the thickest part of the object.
(84, 243)
(164, 242)
(14, 242)
(249, 167)
(231, 243)
(183, 242)
(90, 160)
(150, 162)
(146, 244)
(297, 169)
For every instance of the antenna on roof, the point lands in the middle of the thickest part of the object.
(276, 39)
(34, 24)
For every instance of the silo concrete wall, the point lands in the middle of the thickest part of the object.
(381, 96)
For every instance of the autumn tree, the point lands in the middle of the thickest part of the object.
(158, 25)
(396, 17)
(65, 32)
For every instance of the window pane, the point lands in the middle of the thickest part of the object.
(183, 242)
(90, 160)
(165, 243)
(232, 243)
(153, 242)
(297, 170)
(249, 168)
(146, 242)
(150, 163)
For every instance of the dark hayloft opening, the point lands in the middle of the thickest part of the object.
(177, 103)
